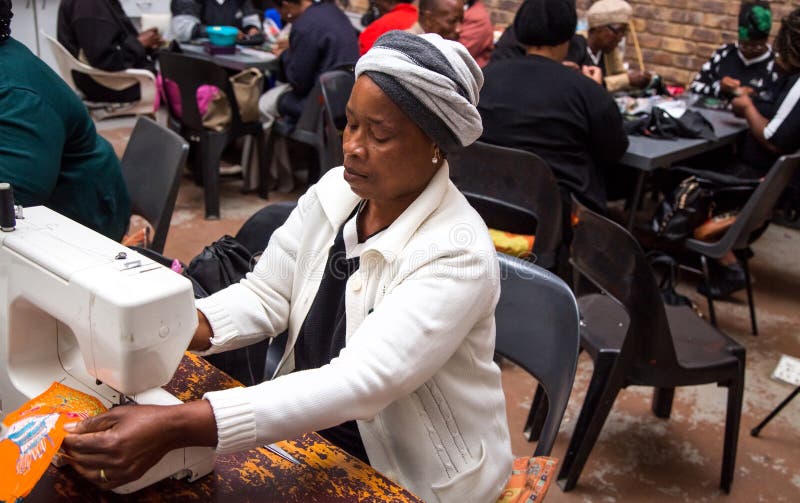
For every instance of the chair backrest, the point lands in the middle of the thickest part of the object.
(336, 87)
(516, 177)
(609, 257)
(758, 209)
(151, 166)
(189, 73)
(537, 328)
(66, 62)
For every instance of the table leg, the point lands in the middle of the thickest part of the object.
(635, 198)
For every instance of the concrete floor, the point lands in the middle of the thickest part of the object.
(638, 457)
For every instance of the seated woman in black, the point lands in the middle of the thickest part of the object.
(98, 32)
(190, 18)
(745, 66)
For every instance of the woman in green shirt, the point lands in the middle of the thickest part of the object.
(50, 151)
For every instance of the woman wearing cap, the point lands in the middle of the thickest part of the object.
(747, 66)
(387, 282)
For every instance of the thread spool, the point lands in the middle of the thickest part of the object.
(8, 219)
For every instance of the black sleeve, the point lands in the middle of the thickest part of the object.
(186, 8)
(301, 60)
(707, 81)
(607, 138)
(507, 47)
(106, 45)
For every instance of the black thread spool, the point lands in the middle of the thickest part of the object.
(8, 220)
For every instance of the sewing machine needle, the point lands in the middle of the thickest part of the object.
(273, 448)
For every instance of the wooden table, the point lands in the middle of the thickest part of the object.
(244, 58)
(648, 154)
(325, 473)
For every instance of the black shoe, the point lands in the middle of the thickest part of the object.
(724, 281)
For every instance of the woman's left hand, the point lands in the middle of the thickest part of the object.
(120, 445)
(741, 104)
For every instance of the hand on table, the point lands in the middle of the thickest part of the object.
(150, 38)
(120, 445)
(639, 79)
(593, 72)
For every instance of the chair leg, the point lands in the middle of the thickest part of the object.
(266, 148)
(750, 302)
(246, 162)
(210, 153)
(662, 402)
(600, 396)
(732, 420)
(707, 278)
(537, 415)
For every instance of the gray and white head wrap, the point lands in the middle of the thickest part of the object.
(434, 81)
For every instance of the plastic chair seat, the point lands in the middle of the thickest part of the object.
(67, 64)
(698, 345)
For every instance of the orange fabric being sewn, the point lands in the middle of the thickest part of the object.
(34, 433)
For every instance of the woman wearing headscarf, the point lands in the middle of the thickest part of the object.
(387, 281)
(50, 151)
(747, 66)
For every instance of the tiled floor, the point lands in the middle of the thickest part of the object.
(638, 457)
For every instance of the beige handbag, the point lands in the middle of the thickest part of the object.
(247, 89)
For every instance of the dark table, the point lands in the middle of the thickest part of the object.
(325, 473)
(648, 154)
(244, 58)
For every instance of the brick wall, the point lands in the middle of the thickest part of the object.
(676, 36)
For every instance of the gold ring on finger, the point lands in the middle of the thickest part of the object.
(103, 477)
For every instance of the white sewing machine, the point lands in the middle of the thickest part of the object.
(83, 310)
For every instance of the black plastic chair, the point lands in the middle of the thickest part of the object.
(151, 166)
(754, 216)
(512, 188)
(310, 128)
(189, 73)
(336, 87)
(635, 339)
(546, 347)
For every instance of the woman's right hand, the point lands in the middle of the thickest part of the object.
(120, 445)
(729, 85)
(150, 39)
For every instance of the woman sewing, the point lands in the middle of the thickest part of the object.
(387, 281)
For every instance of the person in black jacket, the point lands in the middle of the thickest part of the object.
(190, 18)
(322, 39)
(559, 114)
(99, 33)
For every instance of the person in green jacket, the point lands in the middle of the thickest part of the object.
(50, 151)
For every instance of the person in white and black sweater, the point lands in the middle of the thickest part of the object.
(387, 281)
(746, 66)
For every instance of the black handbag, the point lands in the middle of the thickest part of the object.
(694, 201)
(222, 263)
(660, 124)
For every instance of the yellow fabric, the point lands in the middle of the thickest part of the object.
(33, 433)
(530, 480)
(518, 245)
(616, 77)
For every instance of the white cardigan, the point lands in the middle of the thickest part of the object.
(416, 372)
